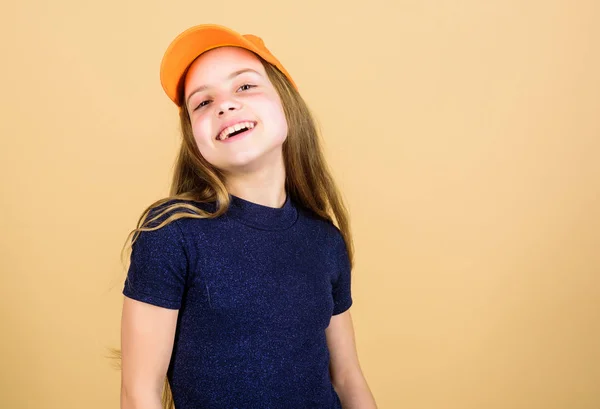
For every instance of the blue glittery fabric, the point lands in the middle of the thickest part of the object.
(255, 288)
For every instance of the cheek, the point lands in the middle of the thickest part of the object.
(202, 131)
(277, 120)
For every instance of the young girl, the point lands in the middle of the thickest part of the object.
(238, 291)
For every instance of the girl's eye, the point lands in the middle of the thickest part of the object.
(201, 104)
(246, 87)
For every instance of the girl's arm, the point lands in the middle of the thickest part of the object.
(147, 336)
(347, 377)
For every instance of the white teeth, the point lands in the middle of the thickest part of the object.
(231, 129)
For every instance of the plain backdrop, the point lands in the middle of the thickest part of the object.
(465, 136)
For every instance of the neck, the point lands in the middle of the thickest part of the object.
(264, 186)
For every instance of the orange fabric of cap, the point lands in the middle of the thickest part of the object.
(188, 45)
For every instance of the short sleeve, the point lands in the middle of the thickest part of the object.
(158, 269)
(341, 289)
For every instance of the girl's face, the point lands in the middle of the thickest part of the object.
(227, 91)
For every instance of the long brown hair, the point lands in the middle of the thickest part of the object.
(308, 180)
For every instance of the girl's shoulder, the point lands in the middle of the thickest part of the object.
(327, 226)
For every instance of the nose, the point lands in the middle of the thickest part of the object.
(228, 105)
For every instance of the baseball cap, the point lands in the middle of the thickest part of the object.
(188, 45)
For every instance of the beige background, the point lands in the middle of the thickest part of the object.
(464, 134)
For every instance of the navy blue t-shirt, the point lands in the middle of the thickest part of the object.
(255, 288)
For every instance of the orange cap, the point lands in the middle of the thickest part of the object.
(187, 46)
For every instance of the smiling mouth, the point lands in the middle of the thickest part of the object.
(235, 130)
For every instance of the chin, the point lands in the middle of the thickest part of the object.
(251, 161)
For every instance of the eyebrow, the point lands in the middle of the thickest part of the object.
(229, 77)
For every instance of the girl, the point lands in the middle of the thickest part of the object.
(238, 291)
